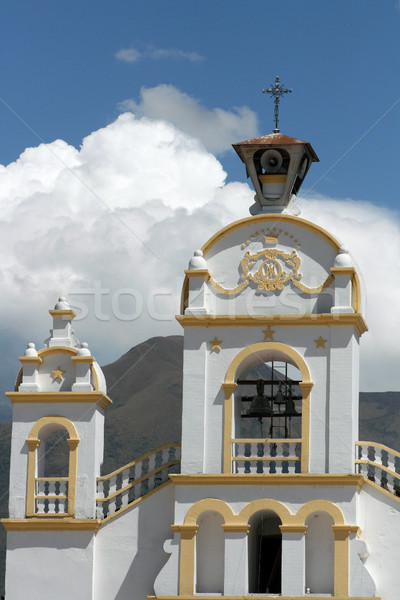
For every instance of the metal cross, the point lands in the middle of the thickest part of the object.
(277, 90)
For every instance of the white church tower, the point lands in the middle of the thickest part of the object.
(274, 495)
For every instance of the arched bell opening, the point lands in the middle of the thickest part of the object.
(320, 553)
(265, 553)
(52, 467)
(210, 548)
(268, 418)
(53, 451)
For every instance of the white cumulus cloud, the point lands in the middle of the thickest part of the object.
(216, 128)
(131, 55)
(113, 225)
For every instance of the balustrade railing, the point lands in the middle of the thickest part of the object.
(51, 495)
(379, 464)
(137, 478)
(272, 456)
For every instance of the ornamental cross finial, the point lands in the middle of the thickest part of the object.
(277, 90)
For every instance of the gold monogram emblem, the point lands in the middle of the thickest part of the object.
(270, 268)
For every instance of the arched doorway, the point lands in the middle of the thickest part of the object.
(265, 553)
(210, 547)
(320, 553)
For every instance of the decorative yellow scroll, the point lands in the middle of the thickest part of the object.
(276, 268)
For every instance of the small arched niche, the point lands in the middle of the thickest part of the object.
(210, 552)
(265, 553)
(53, 452)
(52, 467)
(320, 553)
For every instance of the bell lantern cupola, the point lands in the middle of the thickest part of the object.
(277, 165)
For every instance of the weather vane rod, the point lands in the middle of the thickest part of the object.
(277, 91)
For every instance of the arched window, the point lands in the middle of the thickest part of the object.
(52, 467)
(268, 418)
(320, 553)
(265, 553)
(210, 553)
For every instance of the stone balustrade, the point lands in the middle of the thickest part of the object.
(137, 478)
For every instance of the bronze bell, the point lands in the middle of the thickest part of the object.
(279, 397)
(290, 410)
(260, 405)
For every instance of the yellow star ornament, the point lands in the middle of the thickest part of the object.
(215, 344)
(320, 342)
(268, 333)
(58, 374)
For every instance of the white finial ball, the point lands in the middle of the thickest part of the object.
(62, 304)
(197, 261)
(84, 350)
(30, 350)
(343, 259)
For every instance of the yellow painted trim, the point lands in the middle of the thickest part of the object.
(133, 504)
(33, 443)
(341, 569)
(57, 350)
(27, 360)
(59, 398)
(186, 563)
(321, 506)
(136, 481)
(229, 389)
(265, 504)
(63, 312)
(137, 460)
(194, 273)
(306, 385)
(311, 320)
(279, 218)
(261, 347)
(207, 504)
(272, 178)
(381, 446)
(51, 524)
(356, 293)
(293, 528)
(343, 271)
(279, 479)
(83, 359)
(236, 528)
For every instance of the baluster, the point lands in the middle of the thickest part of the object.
(252, 466)
(41, 505)
(391, 464)
(240, 449)
(390, 482)
(63, 488)
(139, 469)
(124, 498)
(279, 463)
(100, 488)
(100, 511)
(125, 478)
(112, 485)
(152, 463)
(363, 469)
(62, 505)
(112, 506)
(378, 456)
(165, 456)
(239, 466)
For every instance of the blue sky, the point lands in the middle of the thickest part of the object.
(60, 75)
(117, 199)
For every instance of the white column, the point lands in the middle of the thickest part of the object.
(293, 560)
(236, 577)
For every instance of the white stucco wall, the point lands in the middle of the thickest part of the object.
(129, 549)
(53, 564)
(89, 422)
